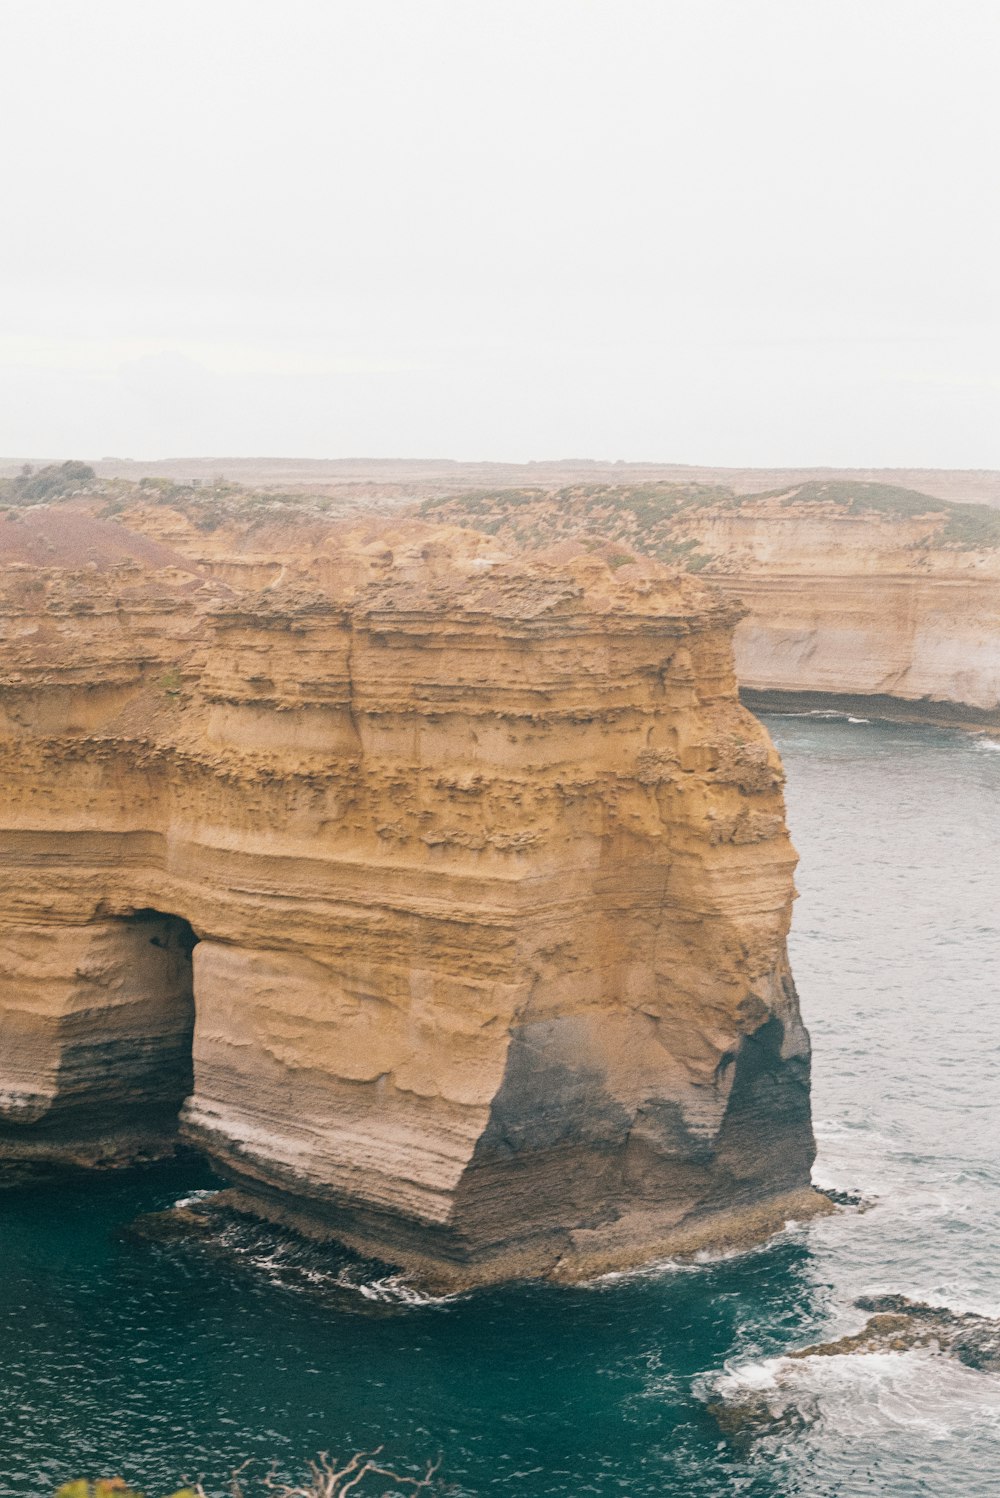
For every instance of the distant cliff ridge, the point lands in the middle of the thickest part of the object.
(444, 898)
(862, 595)
(858, 594)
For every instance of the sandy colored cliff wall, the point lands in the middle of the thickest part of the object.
(864, 594)
(489, 882)
(861, 607)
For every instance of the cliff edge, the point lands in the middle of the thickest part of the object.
(444, 897)
(862, 595)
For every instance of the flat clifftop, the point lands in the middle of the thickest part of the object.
(442, 893)
(409, 478)
(853, 591)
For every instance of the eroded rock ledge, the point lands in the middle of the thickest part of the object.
(447, 900)
(867, 596)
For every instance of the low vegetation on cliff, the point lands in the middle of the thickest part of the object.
(207, 504)
(38, 486)
(642, 517)
(674, 522)
(965, 526)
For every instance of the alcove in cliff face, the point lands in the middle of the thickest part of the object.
(159, 991)
(105, 1074)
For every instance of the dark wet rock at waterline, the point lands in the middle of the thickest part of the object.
(897, 1325)
(209, 1228)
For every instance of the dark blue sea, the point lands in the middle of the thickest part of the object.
(157, 1363)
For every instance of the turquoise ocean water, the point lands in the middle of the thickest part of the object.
(155, 1363)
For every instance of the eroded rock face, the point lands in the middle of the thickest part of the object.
(865, 597)
(471, 875)
(899, 1324)
(860, 611)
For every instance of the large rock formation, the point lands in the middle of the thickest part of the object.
(464, 884)
(864, 596)
(885, 612)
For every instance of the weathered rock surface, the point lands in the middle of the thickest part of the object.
(859, 609)
(485, 873)
(861, 596)
(899, 1324)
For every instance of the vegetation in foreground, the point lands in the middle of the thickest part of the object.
(363, 1475)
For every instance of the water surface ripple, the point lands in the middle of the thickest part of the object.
(117, 1357)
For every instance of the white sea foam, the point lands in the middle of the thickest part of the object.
(991, 746)
(193, 1197)
(703, 1258)
(658, 1269)
(918, 1391)
(393, 1289)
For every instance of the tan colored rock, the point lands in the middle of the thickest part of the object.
(490, 883)
(860, 608)
(863, 596)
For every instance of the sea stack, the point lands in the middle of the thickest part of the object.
(442, 896)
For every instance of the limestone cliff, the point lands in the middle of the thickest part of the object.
(880, 610)
(863, 595)
(445, 897)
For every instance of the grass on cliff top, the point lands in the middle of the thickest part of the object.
(657, 518)
(857, 497)
(640, 517)
(968, 526)
(207, 505)
(210, 505)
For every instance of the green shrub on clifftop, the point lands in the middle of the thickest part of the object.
(34, 488)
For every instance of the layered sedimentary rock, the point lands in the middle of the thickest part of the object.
(462, 886)
(861, 595)
(863, 609)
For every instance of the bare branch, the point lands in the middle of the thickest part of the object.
(416, 1483)
(327, 1481)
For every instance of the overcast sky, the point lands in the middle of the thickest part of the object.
(713, 231)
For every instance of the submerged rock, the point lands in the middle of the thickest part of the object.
(898, 1325)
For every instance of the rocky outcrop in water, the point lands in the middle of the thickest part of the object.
(780, 1402)
(445, 898)
(899, 1324)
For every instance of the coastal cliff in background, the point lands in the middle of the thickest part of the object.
(446, 899)
(857, 595)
